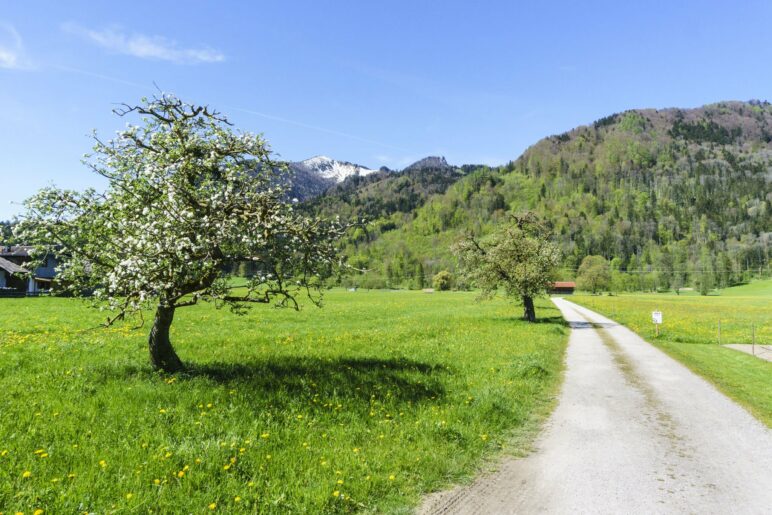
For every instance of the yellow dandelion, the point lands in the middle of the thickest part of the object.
(265, 435)
(71, 476)
(156, 481)
(209, 405)
(168, 455)
(161, 410)
(26, 474)
(39, 451)
(392, 477)
(102, 463)
(340, 481)
(129, 496)
(181, 474)
(251, 484)
(226, 467)
(4, 453)
(213, 506)
(336, 493)
(198, 460)
(237, 499)
(38, 512)
(43, 455)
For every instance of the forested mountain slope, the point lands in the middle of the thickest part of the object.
(672, 196)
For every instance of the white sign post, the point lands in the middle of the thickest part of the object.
(656, 317)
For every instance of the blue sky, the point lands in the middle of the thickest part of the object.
(377, 83)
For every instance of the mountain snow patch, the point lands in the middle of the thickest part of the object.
(331, 169)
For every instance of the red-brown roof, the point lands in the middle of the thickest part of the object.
(564, 284)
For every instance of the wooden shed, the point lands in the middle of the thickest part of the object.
(563, 288)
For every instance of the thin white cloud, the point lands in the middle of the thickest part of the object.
(12, 55)
(144, 46)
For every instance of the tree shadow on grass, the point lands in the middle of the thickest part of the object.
(552, 320)
(401, 379)
(557, 320)
(292, 377)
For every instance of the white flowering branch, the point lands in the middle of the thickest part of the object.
(188, 200)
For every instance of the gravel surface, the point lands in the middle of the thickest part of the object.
(760, 351)
(634, 432)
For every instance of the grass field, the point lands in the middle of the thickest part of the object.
(689, 333)
(362, 406)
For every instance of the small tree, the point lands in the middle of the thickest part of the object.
(187, 199)
(594, 274)
(442, 281)
(519, 257)
(679, 269)
(706, 278)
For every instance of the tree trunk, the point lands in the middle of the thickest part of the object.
(529, 311)
(162, 355)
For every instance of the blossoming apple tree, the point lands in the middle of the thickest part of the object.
(519, 257)
(188, 198)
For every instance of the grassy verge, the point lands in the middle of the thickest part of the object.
(362, 406)
(690, 334)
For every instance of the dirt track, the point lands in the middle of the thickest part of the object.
(634, 432)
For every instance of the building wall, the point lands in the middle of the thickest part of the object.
(2, 279)
(48, 270)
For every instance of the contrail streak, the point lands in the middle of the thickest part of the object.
(100, 76)
(240, 109)
(315, 128)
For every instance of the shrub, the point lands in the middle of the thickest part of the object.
(442, 281)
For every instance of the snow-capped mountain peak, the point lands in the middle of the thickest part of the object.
(331, 169)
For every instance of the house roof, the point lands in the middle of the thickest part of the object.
(15, 251)
(10, 267)
(564, 284)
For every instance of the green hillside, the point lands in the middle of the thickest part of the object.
(672, 197)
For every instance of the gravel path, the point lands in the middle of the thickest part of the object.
(760, 351)
(634, 432)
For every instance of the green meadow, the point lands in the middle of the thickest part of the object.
(690, 334)
(361, 406)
